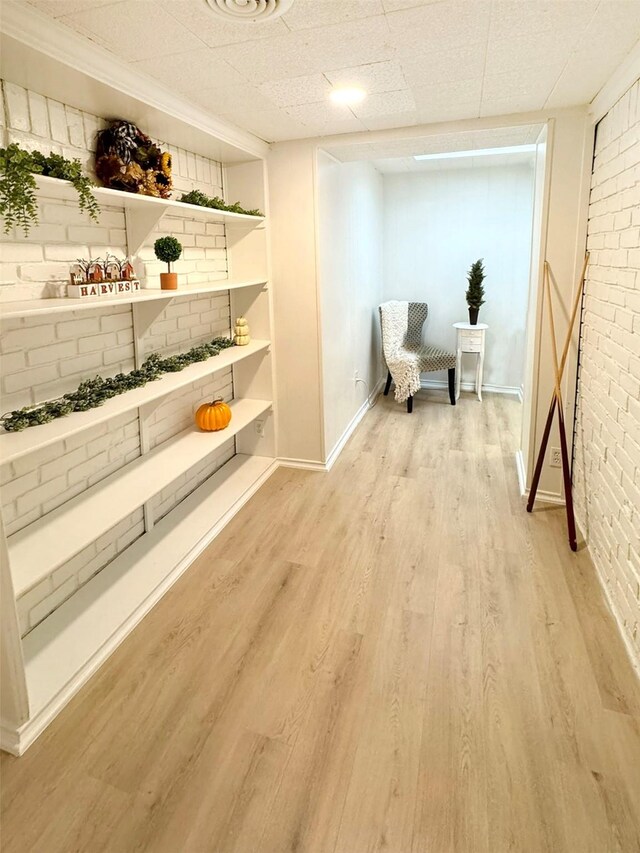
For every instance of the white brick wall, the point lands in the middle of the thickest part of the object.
(49, 355)
(38, 266)
(607, 454)
(44, 357)
(174, 415)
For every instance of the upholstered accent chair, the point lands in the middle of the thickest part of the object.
(405, 356)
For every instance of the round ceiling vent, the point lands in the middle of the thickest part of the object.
(249, 11)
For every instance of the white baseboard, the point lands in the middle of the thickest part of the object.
(353, 423)
(546, 497)
(522, 477)
(632, 653)
(441, 384)
(303, 464)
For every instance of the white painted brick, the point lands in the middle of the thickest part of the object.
(92, 234)
(51, 352)
(20, 252)
(28, 378)
(607, 469)
(58, 121)
(75, 127)
(52, 601)
(17, 107)
(39, 114)
(97, 342)
(67, 252)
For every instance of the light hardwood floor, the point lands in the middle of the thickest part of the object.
(390, 657)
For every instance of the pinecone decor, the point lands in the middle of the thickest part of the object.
(241, 332)
(127, 159)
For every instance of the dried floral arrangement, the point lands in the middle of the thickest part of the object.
(93, 392)
(201, 200)
(18, 202)
(127, 159)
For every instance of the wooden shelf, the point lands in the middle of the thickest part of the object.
(63, 190)
(13, 445)
(32, 307)
(49, 542)
(69, 645)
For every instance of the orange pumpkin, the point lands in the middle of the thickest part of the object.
(213, 416)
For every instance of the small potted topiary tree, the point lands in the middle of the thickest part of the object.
(475, 291)
(168, 249)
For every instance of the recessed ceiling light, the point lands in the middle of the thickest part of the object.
(478, 152)
(249, 11)
(348, 95)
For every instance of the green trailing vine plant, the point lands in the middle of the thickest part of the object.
(93, 392)
(18, 201)
(201, 200)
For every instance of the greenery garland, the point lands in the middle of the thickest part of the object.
(93, 392)
(201, 200)
(18, 201)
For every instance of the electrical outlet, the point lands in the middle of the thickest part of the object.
(556, 458)
(260, 428)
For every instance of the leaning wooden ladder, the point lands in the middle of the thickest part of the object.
(556, 402)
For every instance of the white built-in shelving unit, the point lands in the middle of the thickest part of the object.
(43, 670)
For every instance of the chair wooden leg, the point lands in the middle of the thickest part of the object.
(410, 404)
(452, 385)
(387, 384)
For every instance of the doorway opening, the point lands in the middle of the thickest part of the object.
(404, 220)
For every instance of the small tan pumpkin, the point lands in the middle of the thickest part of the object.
(213, 416)
(241, 332)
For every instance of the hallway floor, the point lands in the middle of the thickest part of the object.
(393, 656)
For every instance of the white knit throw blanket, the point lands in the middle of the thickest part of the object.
(402, 363)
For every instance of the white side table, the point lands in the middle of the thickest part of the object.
(470, 339)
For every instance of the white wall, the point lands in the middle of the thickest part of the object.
(607, 451)
(292, 189)
(350, 202)
(436, 223)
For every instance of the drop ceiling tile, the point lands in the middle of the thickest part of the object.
(569, 17)
(397, 5)
(450, 112)
(189, 72)
(615, 29)
(353, 151)
(448, 94)
(325, 115)
(393, 166)
(580, 82)
(307, 14)
(510, 106)
(503, 136)
(384, 104)
(519, 82)
(527, 50)
(308, 51)
(386, 122)
(215, 31)
(297, 90)
(375, 77)
(137, 30)
(59, 8)
(438, 26)
(270, 125)
(226, 99)
(458, 62)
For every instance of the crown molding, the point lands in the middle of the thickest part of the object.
(70, 52)
(627, 73)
